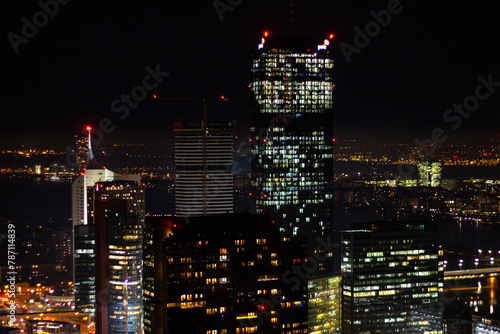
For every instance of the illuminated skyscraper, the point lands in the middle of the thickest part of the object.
(118, 229)
(429, 173)
(292, 134)
(85, 195)
(203, 168)
(392, 278)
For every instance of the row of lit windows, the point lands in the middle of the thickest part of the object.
(190, 296)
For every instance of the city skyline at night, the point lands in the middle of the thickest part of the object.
(349, 183)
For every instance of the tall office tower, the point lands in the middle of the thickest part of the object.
(429, 173)
(292, 134)
(118, 229)
(204, 168)
(324, 311)
(234, 273)
(82, 192)
(392, 278)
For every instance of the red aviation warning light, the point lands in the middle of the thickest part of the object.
(88, 128)
(154, 96)
(332, 36)
(266, 33)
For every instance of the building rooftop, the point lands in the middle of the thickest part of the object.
(296, 43)
(232, 223)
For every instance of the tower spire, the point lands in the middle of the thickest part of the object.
(90, 153)
(292, 18)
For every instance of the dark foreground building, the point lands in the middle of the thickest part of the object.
(233, 274)
(156, 230)
(392, 278)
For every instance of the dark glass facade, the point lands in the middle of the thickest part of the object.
(156, 230)
(84, 268)
(392, 278)
(232, 274)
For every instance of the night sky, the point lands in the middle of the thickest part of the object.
(401, 83)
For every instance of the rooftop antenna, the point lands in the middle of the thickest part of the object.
(292, 18)
(90, 153)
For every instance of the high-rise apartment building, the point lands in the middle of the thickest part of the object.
(203, 167)
(233, 274)
(292, 134)
(392, 278)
